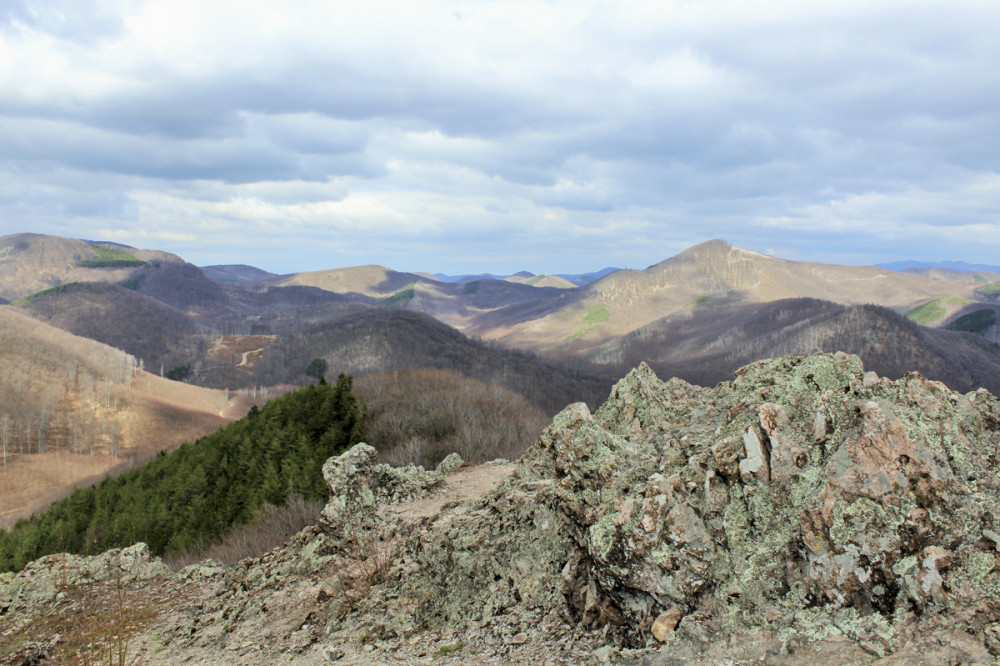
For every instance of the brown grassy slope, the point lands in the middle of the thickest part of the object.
(542, 281)
(70, 402)
(714, 269)
(30, 263)
(373, 281)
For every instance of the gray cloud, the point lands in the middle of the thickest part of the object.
(483, 135)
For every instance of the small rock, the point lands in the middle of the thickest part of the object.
(603, 654)
(519, 639)
(666, 623)
(331, 653)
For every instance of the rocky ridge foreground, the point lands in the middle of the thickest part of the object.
(805, 511)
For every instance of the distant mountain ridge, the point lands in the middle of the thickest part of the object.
(626, 300)
(950, 265)
(235, 273)
(523, 311)
(579, 279)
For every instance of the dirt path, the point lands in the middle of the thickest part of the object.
(246, 355)
(464, 484)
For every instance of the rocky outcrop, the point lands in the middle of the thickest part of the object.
(806, 498)
(805, 511)
(43, 580)
(806, 501)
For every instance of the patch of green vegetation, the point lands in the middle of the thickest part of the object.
(535, 280)
(696, 301)
(446, 650)
(202, 489)
(400, 298)
(109, 258)
(979, 321)
(927, 312)
(44, 292)
(471, 287)
(957, 300)
(179, 373)
(990, 288)
(982, 279)
(133, 282)
(316, 368)
(596, 314)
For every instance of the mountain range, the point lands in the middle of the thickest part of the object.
(554, 340)
(170, 313)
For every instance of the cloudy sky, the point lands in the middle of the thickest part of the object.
(558, 136)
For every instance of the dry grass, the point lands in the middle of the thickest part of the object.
(93, 624)
(30, 483)
(272, 528)
(366, 564)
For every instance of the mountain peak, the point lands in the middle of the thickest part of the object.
(714, 245)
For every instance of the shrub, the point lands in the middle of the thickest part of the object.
(420, 416)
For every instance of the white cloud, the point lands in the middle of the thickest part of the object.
(545, 125)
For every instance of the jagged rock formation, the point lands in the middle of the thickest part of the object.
(805, 511)
(807, 499)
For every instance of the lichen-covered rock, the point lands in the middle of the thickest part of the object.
(42, 580)
(357, 483)
(805, 497)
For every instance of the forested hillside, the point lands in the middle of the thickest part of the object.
(420, 416)
(140, 325)
(188, 497)
(387, 340)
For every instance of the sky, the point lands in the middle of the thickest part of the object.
(468, 137)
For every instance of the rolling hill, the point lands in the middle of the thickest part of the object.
(235, 274)
(30, 263)
(391, 339)
(542, 281)
(123, 318)
(705, 346)
(375, 282)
